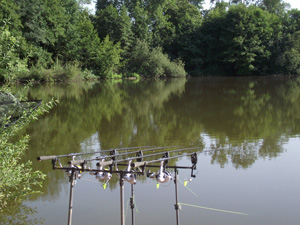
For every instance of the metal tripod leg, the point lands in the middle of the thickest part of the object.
(122, 199)
(72, 184)
(176, 196)
(132, 205)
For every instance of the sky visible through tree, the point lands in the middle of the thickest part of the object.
(293, 3)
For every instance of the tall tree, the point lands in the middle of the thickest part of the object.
(274, 6)
(114, 23)
(186, 19)
(248, 38)
(83, 47)
(141, 23)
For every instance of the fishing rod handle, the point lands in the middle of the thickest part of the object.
(106, 163)
(138, 164)
(41, 158)
(76, 162)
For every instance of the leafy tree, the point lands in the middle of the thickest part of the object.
(141, 23)
(274, 6)
(8, 12)
(229, 2)
(289, 59)
(10, 62)
(106, 21)
(162, 29)
(186, 19)
(242, 39)
(291, 21)
(101, 56)
(247, 30)
(63, 25)
(103, 4)
(110, 21)
(125, 27)
(44, 22)
(84, 47)
(197, 3)
(210, 33)
(34, 25)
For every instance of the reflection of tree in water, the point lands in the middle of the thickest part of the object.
(259, 116)
(115, 111)
(245, 155)
(251, 117)
(17, 213)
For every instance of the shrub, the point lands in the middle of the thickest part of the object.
(17, 179)
(154, 63)
(107, 58)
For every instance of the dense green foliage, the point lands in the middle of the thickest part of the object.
(255, 37)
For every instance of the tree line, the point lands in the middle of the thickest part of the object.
(61, 39)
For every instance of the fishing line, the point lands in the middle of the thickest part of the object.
(127, 205)
(213, 209)
(126, 208)
(136, 209)
(187, 187)
(96, 182)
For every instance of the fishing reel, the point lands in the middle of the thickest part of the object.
(162, 176)
(74, 172)
(130, 177)
(103, 177)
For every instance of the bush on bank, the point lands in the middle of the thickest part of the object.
(17, 179)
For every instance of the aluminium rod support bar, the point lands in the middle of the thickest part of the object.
(97, 170)
(83, 161)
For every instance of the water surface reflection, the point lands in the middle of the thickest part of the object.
(255, 120)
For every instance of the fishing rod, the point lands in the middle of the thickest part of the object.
(42, 158)
(114, 154)
(143, 164)
(139, 158)
(139, 162)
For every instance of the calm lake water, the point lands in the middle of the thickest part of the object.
(254, 180)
